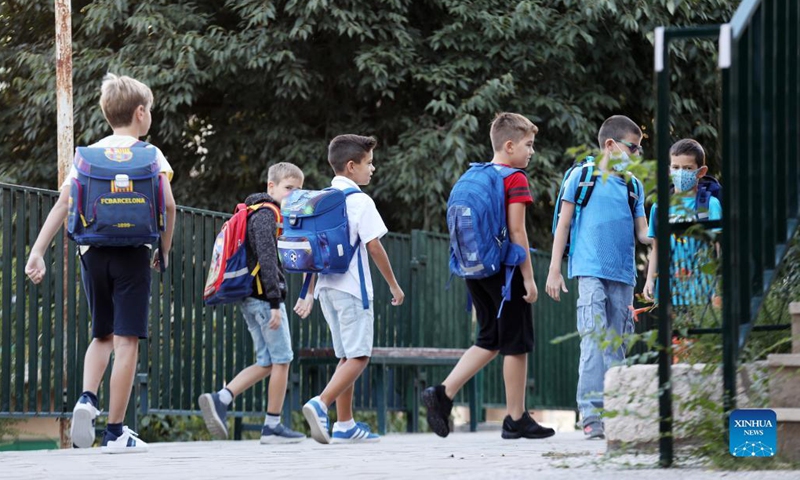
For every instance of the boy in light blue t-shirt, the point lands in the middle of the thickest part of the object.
(603, 259)
(689, 285)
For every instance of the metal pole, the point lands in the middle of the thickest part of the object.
(63, 9)
(664, 250)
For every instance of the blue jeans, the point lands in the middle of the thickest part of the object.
(602, 313)
(271, 346)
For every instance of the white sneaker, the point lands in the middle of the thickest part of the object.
(128, 442)
(81, 428)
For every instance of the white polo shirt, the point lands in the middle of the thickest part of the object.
(365, 223)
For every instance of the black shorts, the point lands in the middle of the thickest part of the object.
(512, 333)
(117, 285)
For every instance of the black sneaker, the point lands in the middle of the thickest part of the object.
(594, 430)
(525, 427)
(439, 407)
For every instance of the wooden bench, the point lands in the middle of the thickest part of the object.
(384, 357)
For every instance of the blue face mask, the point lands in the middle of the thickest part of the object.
(684, 180)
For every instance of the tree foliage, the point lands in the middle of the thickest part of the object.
(240, 84)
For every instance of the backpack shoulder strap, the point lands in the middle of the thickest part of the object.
(586, 183)
(634, 192)
(351, 190)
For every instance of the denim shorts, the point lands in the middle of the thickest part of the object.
(271, 346)
(351, 326)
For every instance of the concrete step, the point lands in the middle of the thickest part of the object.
(784, 380)
(788, 433)
(794, 311)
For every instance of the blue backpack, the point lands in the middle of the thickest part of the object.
(707, 187)
(316, 236)
(118, 198)
(476, 218)
(589, 175)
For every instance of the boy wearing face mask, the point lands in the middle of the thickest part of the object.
(689, 285)
(603, 258)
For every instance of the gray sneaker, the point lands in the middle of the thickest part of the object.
(594, 430)
(280, 434)
(215, 414)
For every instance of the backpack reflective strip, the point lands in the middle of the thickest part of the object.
(286, 245)
(237, 273)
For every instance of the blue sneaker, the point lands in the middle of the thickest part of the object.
(280, 434)
(128, 442)
(81, 427)
(215, 414)
(318, 420)
(358, 434)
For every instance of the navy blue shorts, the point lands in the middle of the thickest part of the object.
(117, 285)
(512, 333)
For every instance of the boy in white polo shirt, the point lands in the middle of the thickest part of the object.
(340, 296)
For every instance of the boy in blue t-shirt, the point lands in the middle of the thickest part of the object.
(689, 285)
(603, 259)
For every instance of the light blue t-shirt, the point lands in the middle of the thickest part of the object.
(602, 234)
(688, 284)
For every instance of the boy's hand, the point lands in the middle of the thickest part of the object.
(35, 269)
(647, 291)
(275, 319)
(397, 296)
(555, 285)
(304, 306)
(531, 291)
(157, 260)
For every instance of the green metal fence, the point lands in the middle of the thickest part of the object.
(758, 58)
(45, 329)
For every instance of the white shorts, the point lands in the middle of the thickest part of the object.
(350, 324)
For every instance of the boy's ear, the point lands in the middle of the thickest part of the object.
(508, 146)
(702, 171)
(270, 186)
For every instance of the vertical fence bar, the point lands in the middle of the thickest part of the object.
(664, 251)
(730, 219)
(47, 319)
(767, 150)
(793, 178)
(755, 155)
(19, 351)
(781, 130)
(5, 357)
(32, 362)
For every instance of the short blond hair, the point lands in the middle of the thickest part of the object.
(510, 126)
(282, 170)
(120, 96)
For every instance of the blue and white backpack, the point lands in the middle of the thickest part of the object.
(316, 236)
(476, 218)
(118, 198)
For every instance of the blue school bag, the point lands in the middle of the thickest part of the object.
(589, 175)
(476, 219)
(118, 198)
(316, 236)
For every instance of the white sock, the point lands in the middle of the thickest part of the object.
(321, 404)
(225, 396)
(344, 426)
(272, 421)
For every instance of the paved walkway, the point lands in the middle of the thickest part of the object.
(416, 456)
